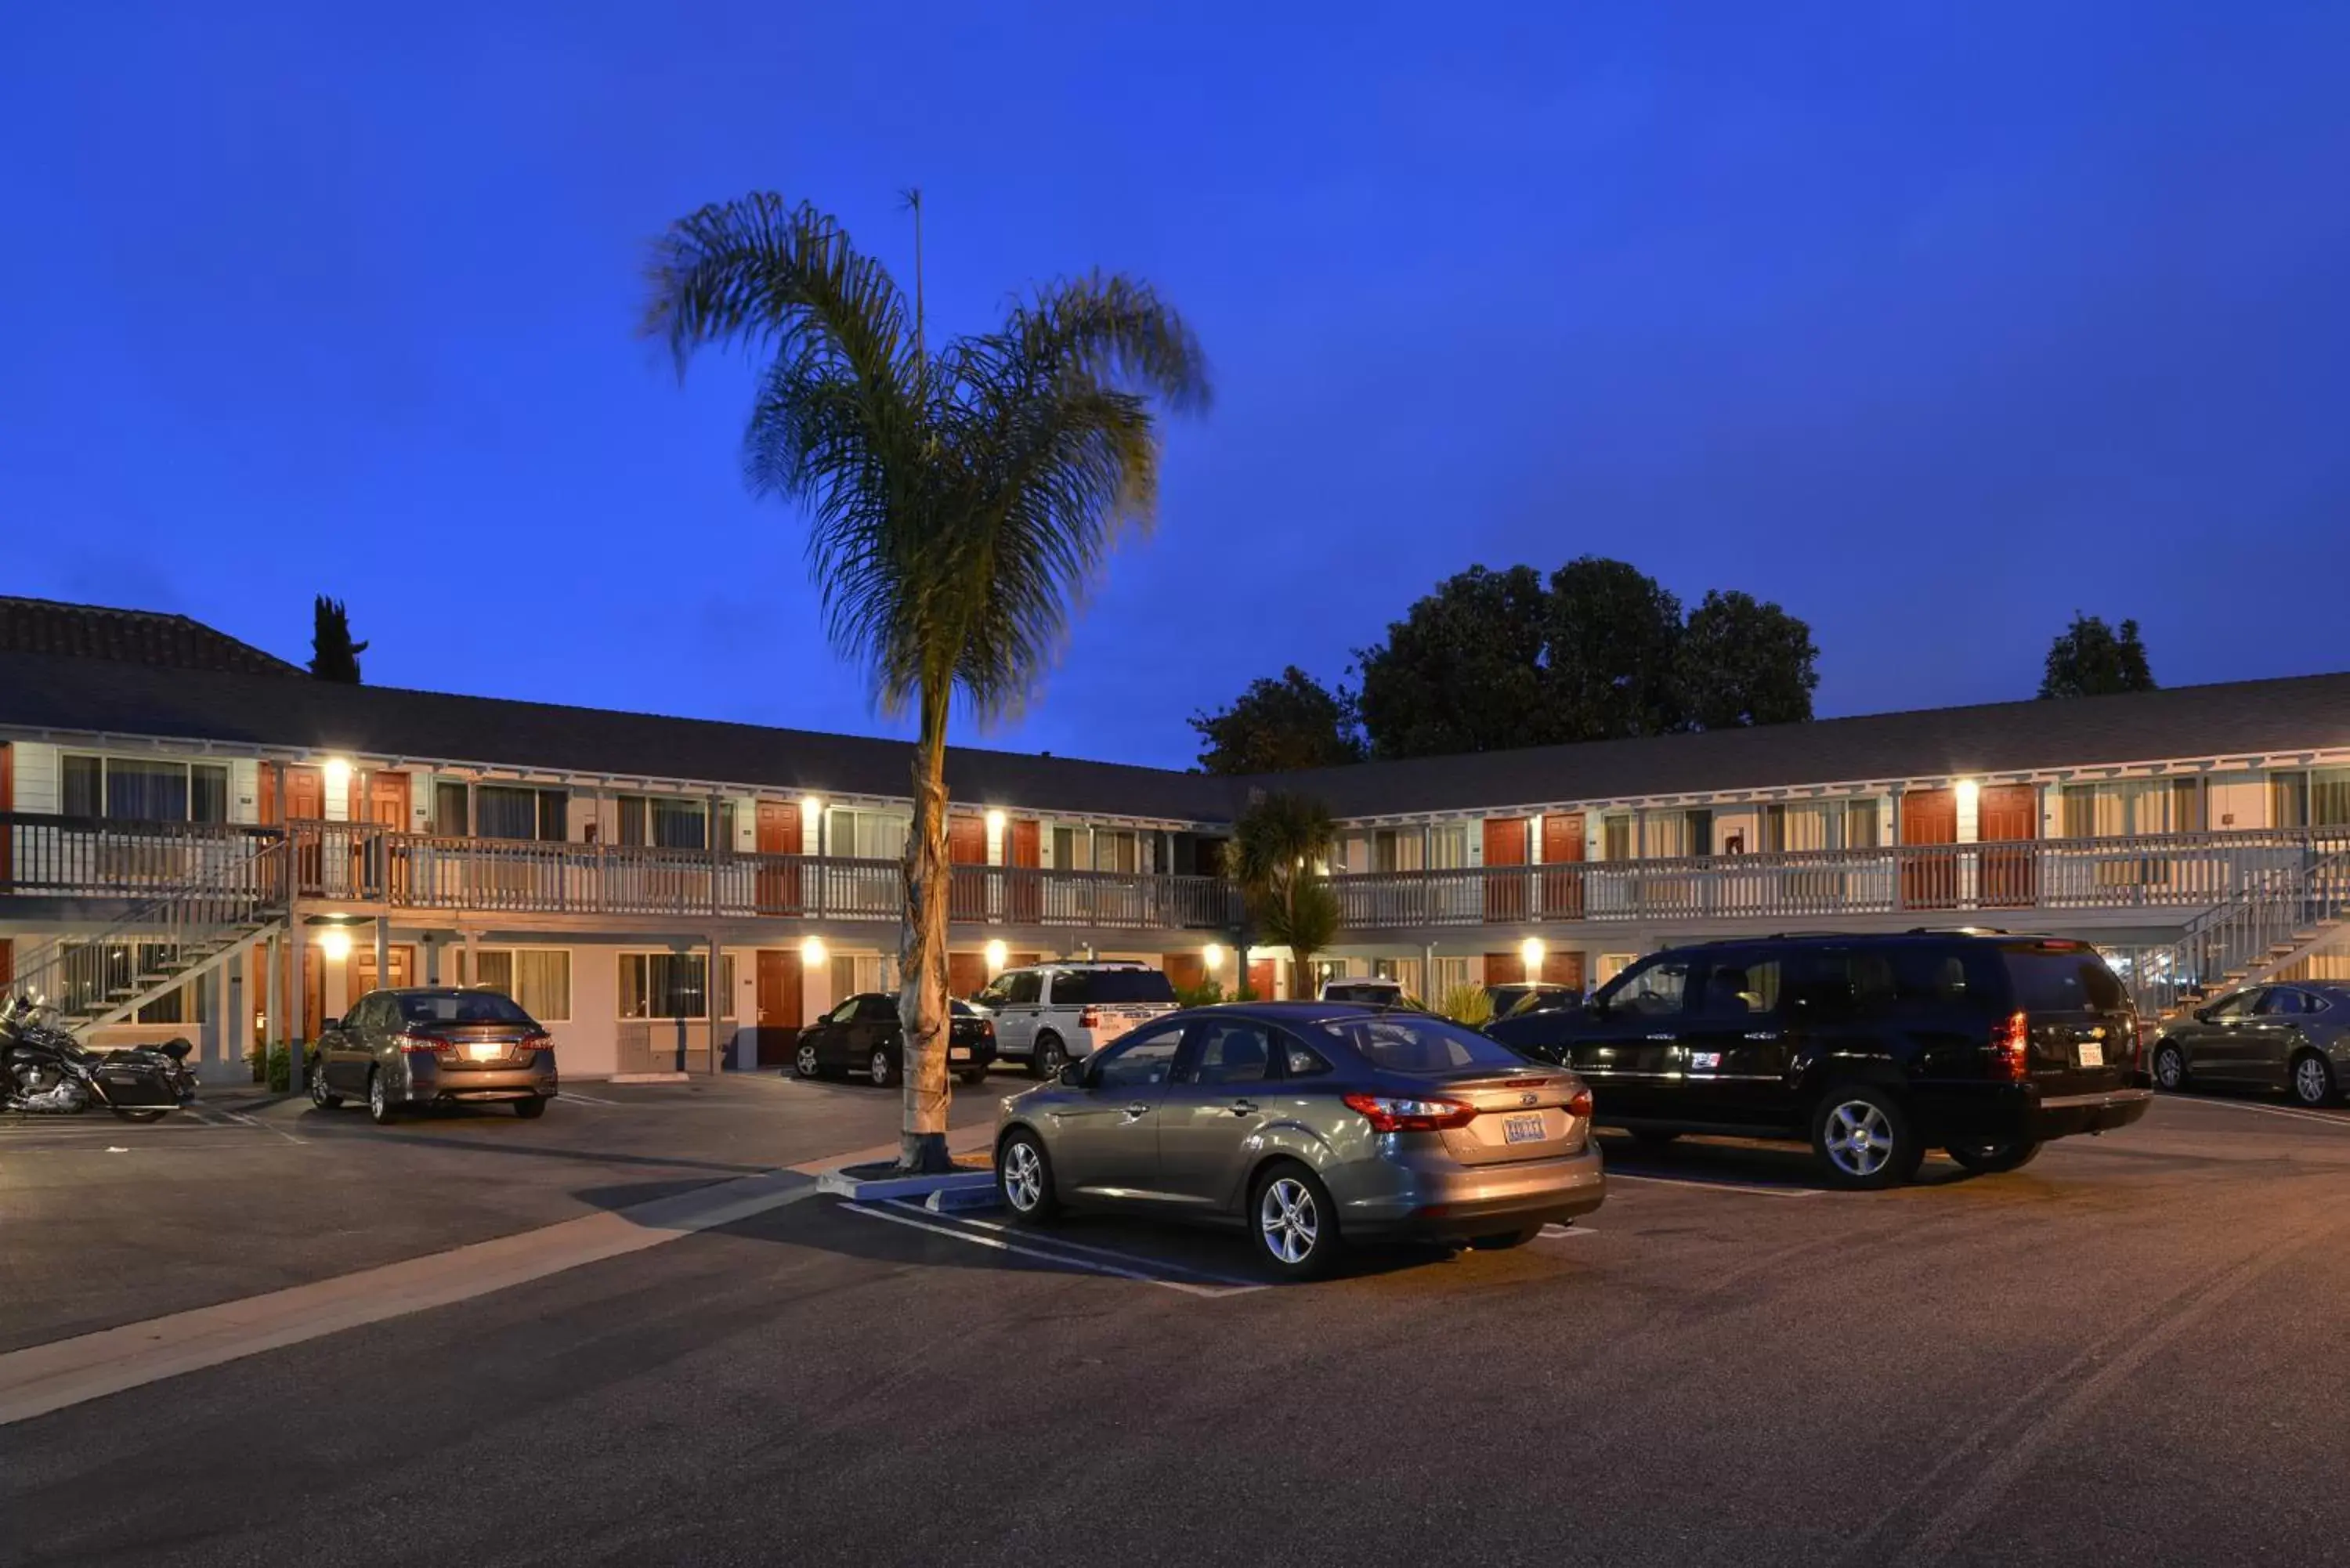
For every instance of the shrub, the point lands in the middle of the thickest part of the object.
(1468, 1004)
(273, 1065)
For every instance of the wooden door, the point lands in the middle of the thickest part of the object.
(1564, 969)
(1506, 840)
(2008, 814)
(1562, 842)
(777, 824)
(966, 847)
(1184, 971)
(780, 1011)
(966, 974)
(1262, 978)
(402, 964)
(386, 862)
(302, 793)
(1930, 881)
(1025, 895)
(1505, 968)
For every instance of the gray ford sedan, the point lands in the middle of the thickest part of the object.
(1309, 1124)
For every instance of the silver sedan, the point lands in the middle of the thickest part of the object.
(1309, 1124)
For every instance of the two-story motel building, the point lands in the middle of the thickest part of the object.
(202, 840)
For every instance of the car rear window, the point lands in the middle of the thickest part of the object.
(1414, 1042)
(1109, 987)
(1361, 991)
(461, 1007)
(2062, 977)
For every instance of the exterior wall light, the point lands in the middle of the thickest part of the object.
(996, 821)
(338, 773)
(812, 952)
(335, 944)
(1531, 951)
(1213, 955)
(997, 956)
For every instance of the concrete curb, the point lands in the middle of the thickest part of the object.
(964, 1200)
(651, 1078)
(842, 1183)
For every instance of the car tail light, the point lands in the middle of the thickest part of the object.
(1580, 1107)
(536, 1039)
(2011, 1048)
(413, 1043)
(1392, 1113)
(1088, 1019)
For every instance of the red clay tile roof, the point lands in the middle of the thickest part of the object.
(135, 636)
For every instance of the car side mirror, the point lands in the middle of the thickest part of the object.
(1073, 1074)
(2203, 1014)
(329, 1025)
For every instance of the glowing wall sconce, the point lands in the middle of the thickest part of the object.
(812, 952)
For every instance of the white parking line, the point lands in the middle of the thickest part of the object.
(1064, 1241)
(2294, 1112)
(583, 1100)
(1066, 1261)
(1748, 1189)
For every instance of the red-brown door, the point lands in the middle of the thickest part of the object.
(1024, 900)
(1505, 968)
(1262, 980)
(778, 827)
(1506, 840)
(1930, 880)
(966, 974)
(780, 1015)
(362, 971)
(304, 793)
(1564, 969)
(2008, 814)
(387, 863)
(1561, 843)
(966, 847)
(1184, 971)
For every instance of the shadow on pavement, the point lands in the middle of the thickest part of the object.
(1739, 1162)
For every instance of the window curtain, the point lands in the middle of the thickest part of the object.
(147, 792)
(2117, 810)
(451, 809)
(1447, 847)
(83, 786)
(679, 824)
(500, 812)
(1664, 835)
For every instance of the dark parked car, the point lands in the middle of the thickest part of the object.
(1872, 1048)
(1513, 999)
(861, 1036)
(433, 1045)
(2295, 1038)
(1309, 1125)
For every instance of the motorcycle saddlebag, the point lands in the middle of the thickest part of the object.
(133, 1084)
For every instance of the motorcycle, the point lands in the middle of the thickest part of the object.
(45, 1071)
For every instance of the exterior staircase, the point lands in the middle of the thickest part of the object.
(2275, 924)
(180, 934)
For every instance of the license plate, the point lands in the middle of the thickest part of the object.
(485, 1049)
(2093, 1053)
(1523, 1129)
(957, 1053)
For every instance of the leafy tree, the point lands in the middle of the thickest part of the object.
(1280, 726)
(1462, 670)
(1741, 662)
(1613, 631)
(333, 655)
(2093, 660)
(959, 503)
(1277, 847)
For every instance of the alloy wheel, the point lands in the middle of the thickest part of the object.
(1024, 1177)
(1289, 1221)
(2312, 1084)
(2168, 1070)
(378, 1099)
(1859, 1139)
(804, 1063)
(318, 1087)
(880, 1068)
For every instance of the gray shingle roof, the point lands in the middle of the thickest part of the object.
(140, 636)
(85, 694)
(2306, 713)
(47, 691)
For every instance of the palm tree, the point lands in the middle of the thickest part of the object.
(1277, 846)
(959, 503)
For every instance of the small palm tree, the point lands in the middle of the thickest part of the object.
(1277, 848)
(959, 503)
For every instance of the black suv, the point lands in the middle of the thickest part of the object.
(1875, 1048)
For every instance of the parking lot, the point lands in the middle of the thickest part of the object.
(2131, 1344)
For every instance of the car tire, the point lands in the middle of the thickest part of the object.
(321, 1096)
(974, 1077)
(1504, 1240)
(1023, 1177)
(380, 1110)
(1862, 1138)
(1049, 1057)
(139, 1113)
(530, 1109)
(881, 1069)
(1995, 1158)
(2169, 1068)
(1300, 1238)
(2312, 1079)
(803, 1061)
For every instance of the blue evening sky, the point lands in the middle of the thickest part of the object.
(1931, 321)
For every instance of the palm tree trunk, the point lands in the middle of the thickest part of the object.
(922, 961)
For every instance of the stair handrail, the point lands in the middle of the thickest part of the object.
(247, 888)
(2257, 918)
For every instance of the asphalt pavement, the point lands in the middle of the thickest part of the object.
(2125, 1352)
